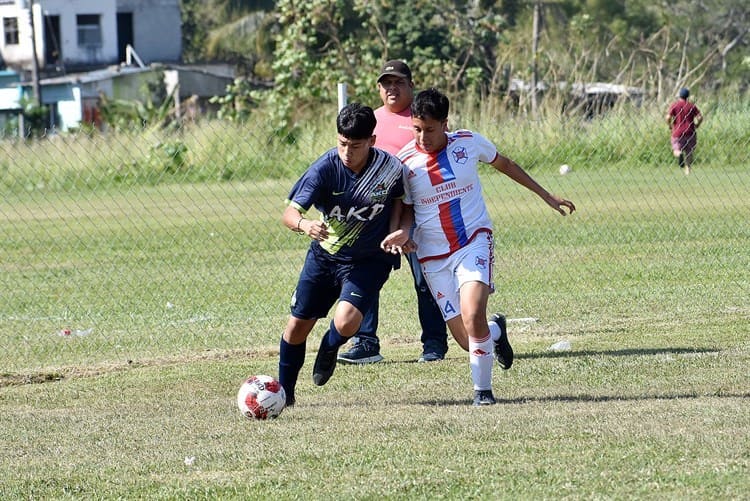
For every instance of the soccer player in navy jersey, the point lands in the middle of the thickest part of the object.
(453, 235)
(357, 189)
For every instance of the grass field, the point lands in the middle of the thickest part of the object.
(186, 289)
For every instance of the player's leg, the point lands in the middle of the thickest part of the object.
(687, 151)
(442, 283)
(474, 264)
(292, 348)
(365, 345)
(361, 284)
(312, 299)
(677, 151)
(434, 335)
(474, 296)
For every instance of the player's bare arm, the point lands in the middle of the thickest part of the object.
(298, 222)
(395, 222)
(398, 240)
(517, 174)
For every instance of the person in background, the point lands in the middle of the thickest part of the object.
(453, 235)
(392, 132)
(357, 189)
(684, 118)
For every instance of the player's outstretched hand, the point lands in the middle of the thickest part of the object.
(559, 204)
(398, 242)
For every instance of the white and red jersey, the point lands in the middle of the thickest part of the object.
(445, 191)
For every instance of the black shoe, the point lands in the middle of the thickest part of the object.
(484, 397)
(364, 352)
(503, 350)
(325, 364)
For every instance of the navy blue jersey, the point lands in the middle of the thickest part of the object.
(355, 207)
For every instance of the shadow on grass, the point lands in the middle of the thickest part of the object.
(629, 352)
(585, 398)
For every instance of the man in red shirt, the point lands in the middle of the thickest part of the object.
(684, 118)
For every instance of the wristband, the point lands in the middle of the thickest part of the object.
(299, 228)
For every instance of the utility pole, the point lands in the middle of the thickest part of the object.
(34, 58)
(534, 49)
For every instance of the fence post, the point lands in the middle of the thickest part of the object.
(342, 95)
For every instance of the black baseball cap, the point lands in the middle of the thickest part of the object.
(396, 68)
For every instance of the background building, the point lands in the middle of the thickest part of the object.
(74, 35)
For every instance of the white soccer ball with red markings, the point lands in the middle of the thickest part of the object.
(261, 397)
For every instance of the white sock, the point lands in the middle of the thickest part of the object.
(494, 330)
(481, 361)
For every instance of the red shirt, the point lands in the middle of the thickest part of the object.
(683, 114)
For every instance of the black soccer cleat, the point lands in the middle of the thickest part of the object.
(503, 349)
(484, 397)
(325, 364)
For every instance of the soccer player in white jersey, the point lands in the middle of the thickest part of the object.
(453, 235)
(357, 189)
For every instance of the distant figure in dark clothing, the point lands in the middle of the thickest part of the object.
(684, 118)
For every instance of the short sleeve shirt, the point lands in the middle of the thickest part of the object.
(355, 207)
(393, 130)
(445, 191)
(683, 112)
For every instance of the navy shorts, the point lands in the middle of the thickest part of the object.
(324, 280)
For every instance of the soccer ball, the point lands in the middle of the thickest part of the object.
(261, 397)
(564, 169)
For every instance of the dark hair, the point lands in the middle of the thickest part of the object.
(430, 103)
(356, 121)
(684, 93)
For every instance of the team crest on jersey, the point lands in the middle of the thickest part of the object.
(480, 262)
(460, 156)
(379, 193)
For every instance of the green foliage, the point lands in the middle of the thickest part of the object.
(169, 157)
(234, 31)
(35, 118)
(323, 42)
(156, 111)
(307, 47)
(237, 102)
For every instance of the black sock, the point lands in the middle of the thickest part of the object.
(333, 339)
(681, 160)
(291, 359)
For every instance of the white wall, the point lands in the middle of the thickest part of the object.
(70, 111)
(157, 29)
(20, 55)
(68, 10)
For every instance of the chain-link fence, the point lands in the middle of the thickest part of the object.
(167, 242)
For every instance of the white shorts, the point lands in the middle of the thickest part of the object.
(473, 263)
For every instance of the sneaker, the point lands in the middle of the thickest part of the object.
(325, 364)
(431, 356)
(484, 397)
(364, 352)
(503, 350)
